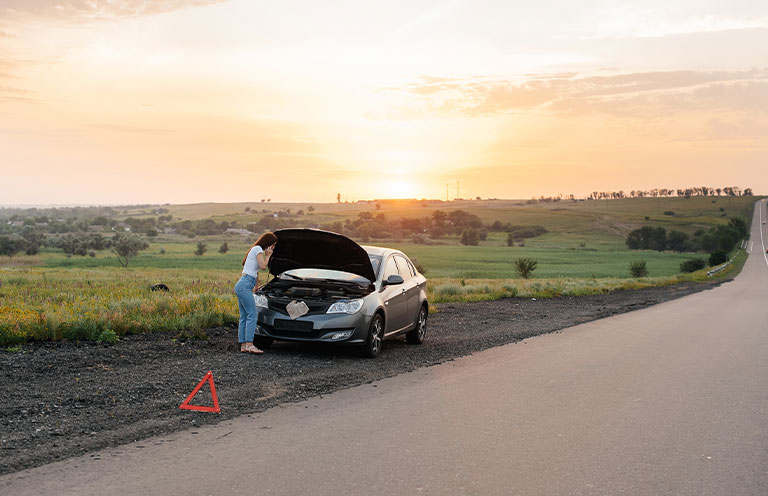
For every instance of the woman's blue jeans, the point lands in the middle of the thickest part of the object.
(248, 310)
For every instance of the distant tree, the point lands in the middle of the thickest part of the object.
(223, 248)
(33, 239)
(127, 245)
(740, 225)
(202, 247)
(647, 238)
(525, 266)
(638, 268)
(310, 208)
(511, 239)
(718, 257)
(11, 245)
(678, 241)
(338, 197)
(469, 237)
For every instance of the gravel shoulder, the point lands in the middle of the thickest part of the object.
(66, 399)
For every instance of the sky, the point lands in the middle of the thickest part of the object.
(173, 101)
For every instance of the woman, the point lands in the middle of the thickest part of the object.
(257, 258)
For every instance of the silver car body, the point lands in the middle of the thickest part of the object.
(399, 303)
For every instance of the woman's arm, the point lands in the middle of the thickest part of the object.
(263, 258)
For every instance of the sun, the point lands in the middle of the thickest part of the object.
(400, 188)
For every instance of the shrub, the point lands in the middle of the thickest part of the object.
(525, 266)
(638, 268)
(718, 257)
(693, 265)
(510, 239)
(419, 267)
(127, 245)
(223, 248)
(108, 336)
(469, 237)
(202, 247)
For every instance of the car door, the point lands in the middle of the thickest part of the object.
(410, 287)
(395, 299)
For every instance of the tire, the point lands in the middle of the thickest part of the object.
(262, 342)
(416, 336)
(372, 346)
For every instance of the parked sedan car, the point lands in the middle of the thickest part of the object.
(327, 288)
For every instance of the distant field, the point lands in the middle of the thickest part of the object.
(50, 296)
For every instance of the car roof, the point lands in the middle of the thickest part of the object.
(380, 250)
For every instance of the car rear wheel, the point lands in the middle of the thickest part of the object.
(372, 347)
(416, 336)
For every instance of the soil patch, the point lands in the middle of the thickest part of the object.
(65, 399)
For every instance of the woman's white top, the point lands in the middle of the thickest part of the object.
(251, 266)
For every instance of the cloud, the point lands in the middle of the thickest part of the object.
(635, 94)
(85, 10)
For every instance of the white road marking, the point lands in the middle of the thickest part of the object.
(762, 242)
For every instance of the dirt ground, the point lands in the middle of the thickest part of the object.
(59, 400)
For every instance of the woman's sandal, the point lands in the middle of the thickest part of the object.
(250, 348)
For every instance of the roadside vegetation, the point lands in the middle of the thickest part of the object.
(85, 273)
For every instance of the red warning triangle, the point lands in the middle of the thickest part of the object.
(215, 408)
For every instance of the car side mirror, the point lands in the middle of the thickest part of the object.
(393, 280)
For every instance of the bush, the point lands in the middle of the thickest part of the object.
(202, 247)
(638, 268)
(693, 265)
(525, 266)
(223, 248)
(108, 336)
(419, 267)
(718, 257)
(469, 237)
(510, 239)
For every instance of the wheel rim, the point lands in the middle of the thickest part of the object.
(376, 337)
(422, 323)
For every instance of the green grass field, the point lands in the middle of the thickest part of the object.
(50, 296)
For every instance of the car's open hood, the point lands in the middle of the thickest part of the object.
(315, 249)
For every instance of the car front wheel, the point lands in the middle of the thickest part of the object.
(372, 346)
(416, 336)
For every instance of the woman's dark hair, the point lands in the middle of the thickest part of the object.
(265, 240)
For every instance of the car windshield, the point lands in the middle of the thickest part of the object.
(323, 274)
(375, 262)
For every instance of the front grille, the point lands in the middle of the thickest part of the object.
(282, 332)
(292, 325)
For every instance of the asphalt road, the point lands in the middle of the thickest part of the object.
(668, 400)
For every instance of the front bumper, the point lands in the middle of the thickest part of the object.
(327, 328)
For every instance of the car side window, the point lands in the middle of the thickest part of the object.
(389, 269)
(402, 265)
(413, 269)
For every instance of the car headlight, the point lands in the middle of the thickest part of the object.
(261, 301)
(346, 306)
